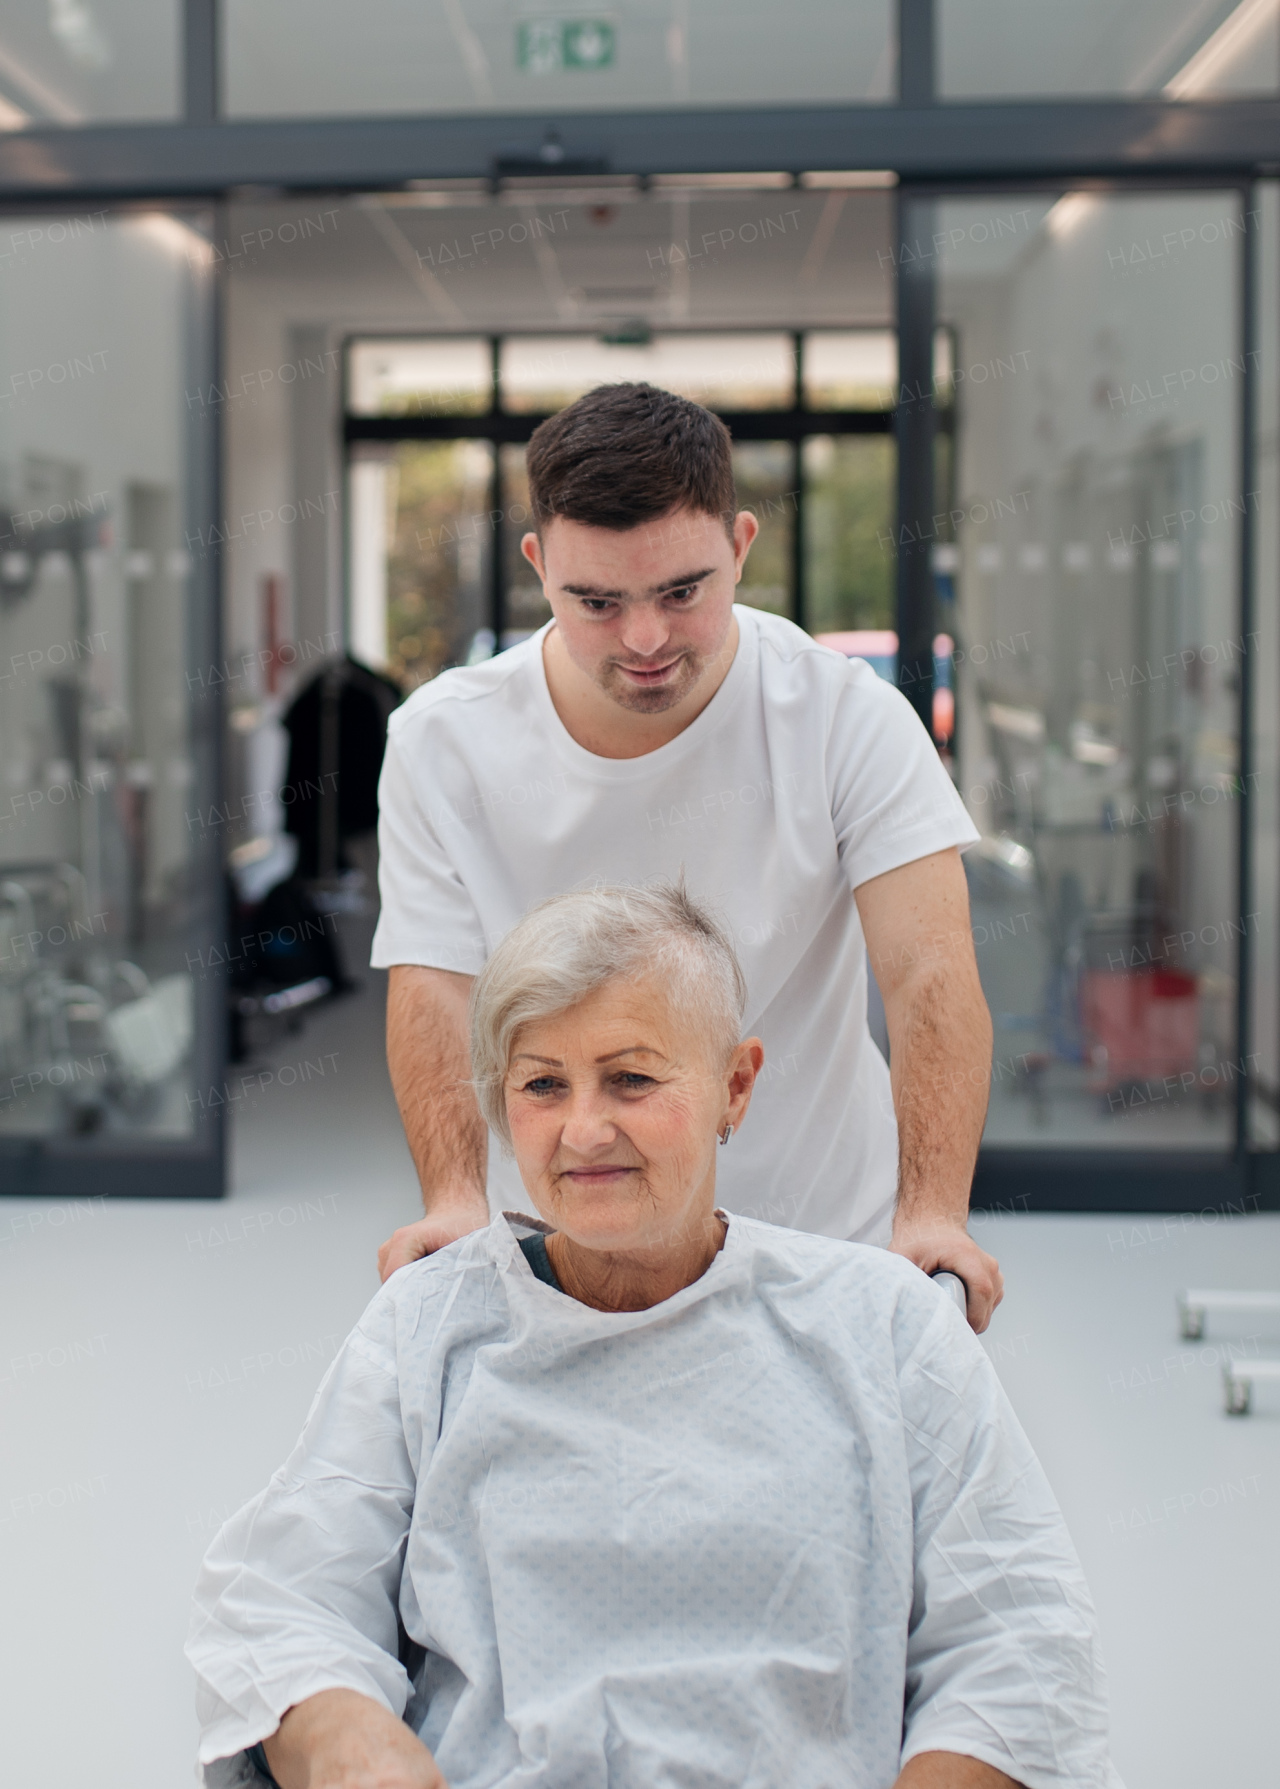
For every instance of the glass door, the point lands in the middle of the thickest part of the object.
(111, 834)
(1088, 568)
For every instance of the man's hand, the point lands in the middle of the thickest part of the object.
(932, 1245)
(342, 1740)
(447, 1220)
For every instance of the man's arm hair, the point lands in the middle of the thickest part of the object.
(429, 1060)
(920, 944)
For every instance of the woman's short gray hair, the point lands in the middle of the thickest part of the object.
(566, 948)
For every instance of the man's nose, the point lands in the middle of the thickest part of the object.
(645, 630)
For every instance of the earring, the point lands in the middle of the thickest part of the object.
(726, 1133)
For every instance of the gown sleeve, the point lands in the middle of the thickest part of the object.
(300, 1590)
(1003, 1662)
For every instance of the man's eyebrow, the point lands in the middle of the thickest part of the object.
(599, 595)
(691, 577)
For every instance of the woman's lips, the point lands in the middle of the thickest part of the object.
(591, 1176)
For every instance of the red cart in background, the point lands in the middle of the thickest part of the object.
(1139, 1025)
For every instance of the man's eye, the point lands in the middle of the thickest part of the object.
(596, 605)
(683, 595)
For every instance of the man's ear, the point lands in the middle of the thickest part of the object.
(745, 529)
(531, 547)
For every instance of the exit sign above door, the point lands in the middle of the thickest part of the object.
(550, 46)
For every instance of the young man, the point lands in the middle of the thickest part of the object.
(653, 729)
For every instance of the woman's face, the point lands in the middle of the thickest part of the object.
(614, 1108)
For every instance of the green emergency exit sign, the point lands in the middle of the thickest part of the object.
(550, 46)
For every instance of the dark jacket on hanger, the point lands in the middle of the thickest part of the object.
(337, 727)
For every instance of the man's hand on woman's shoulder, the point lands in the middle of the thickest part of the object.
(935, 1245)
(447, 1220)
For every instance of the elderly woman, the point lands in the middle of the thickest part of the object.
(642, 1494)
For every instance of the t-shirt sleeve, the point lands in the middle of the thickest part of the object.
(427, 916)
(891, 799)
(299, 1592)
(1003, 1662)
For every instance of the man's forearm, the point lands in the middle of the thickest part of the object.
(951, 1770)
(940, 1046)
(916, 919)
(430, 1072)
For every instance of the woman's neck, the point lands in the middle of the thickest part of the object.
(624, 1281)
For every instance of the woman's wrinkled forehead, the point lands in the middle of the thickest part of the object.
(627, 1015)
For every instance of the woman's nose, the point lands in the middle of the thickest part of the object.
(587, 1126)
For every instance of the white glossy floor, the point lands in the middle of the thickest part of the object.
(156, 1361)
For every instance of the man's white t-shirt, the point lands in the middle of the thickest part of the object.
(803, 777)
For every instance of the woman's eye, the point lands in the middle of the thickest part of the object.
(635, 1083)
(540, 1084)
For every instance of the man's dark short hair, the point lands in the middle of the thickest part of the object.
(627, 454)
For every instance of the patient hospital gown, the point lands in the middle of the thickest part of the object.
(781, 1531)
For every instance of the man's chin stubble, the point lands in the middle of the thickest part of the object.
(642, 701)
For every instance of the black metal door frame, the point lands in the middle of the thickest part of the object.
(1240, 1178)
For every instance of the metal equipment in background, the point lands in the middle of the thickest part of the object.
(90, 1040)
(1238, 1376)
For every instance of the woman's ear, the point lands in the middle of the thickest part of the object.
(744, 1066)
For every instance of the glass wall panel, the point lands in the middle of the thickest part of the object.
(1264, 904)
(764, 474)
(441, 376)
(724, 371)
(850, 369)
(110, 838)
(420, 540)
(1185, 49)
(849, 532)
(85, 61)
(297, 57)
(1098, 383)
